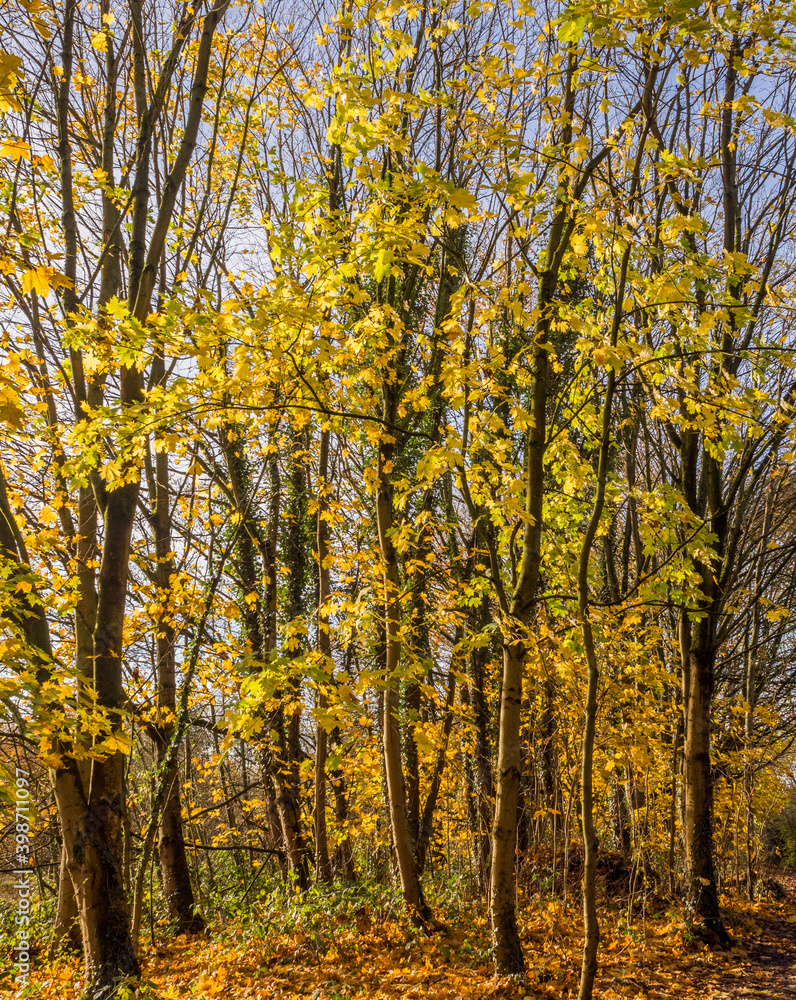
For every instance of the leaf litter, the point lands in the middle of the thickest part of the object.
(655, 958)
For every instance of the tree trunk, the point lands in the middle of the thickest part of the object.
(399, 821)
(411, 757)
(591, 927)
(391, 735)
(177, 888)
(85, 621)
(66, 932)
(94, 846)
(257, 561)
(427, 819)
(323, 867)
(517, 611)
(343, 853)
(619, 817)
(678, 731)
(484, 785)
(702, 901)
(295, 562)
(172, 855)
(502, 901)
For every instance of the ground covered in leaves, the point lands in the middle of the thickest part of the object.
(362, 952)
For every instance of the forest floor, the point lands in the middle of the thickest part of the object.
(372, 955)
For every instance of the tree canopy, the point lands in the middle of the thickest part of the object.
(396, 455)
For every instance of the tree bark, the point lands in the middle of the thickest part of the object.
(483, 778)
(323, 866)
(391, 735)
(427, 818)
(702, 901)
(91, 810)
(591, 928)
(66, 932)
(295, 562)
(256, 559)
(518, 611)
(172, 856)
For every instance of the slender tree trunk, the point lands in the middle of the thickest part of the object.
(518, 610)
(343, 853)
(549, 759)
(275, 837)
(66, 932)
(750, 693)
(701, 890)
(502, 901)
(411, 757)
(483, 780)
(678, 731)
(427, 819)
(172, 856)
(619, 817)
(92, 818)
(710, 503)
(170, 758)
(257, 560)
(702, 899)
(295, 562)
(323, 867)
(85, 620)
(591, 926)
(399, 822)
(391, 735)
(748, 777)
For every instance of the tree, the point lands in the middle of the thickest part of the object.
(88, 780)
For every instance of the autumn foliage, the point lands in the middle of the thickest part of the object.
(397, 506)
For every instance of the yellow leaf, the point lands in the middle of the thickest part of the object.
(579, 244)
(118, 742)
(11, 411)
(463, 199)
(37, 280)
(33, 7)
(14, 149)
(41, 279)
(9, 75)
(99, 41)
(48, 516)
